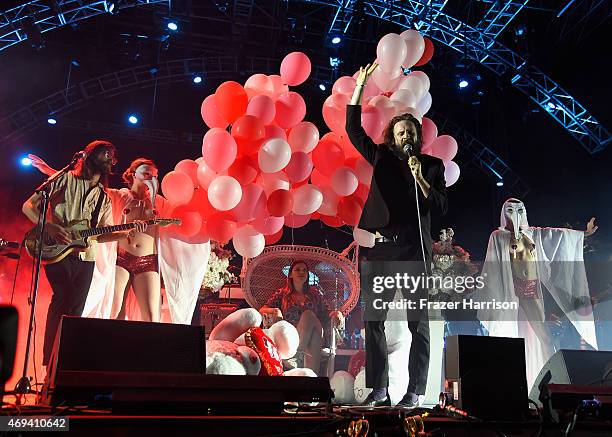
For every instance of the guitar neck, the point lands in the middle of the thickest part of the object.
(108, 229)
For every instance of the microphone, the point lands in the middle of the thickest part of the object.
(407, 149)
(78, 155)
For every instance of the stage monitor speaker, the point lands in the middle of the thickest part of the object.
(572, 367)
(8, 342)
(88, 345)
(486, 376)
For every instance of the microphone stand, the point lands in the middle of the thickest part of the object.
(408, 150)
(24, 386)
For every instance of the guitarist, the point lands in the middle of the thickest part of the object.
(76, 195)
(140, 260)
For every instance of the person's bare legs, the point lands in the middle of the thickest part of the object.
(122, 286)
(147, 288)
(311, 340)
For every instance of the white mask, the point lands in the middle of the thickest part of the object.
(514, 213)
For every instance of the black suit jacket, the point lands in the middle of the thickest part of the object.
(376, 213)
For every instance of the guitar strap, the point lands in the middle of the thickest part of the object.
(96, 213)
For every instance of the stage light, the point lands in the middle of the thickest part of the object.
(133, 119)
(500, 183)
(172, 26)
(551, 105)
(520, 30)
(112, 8)
(322, 87)
(197, 79)
(336, 40)
(51, 120)
(334, 62)
(463, 83)
(25, 161)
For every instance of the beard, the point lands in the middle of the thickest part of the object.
(104, 167)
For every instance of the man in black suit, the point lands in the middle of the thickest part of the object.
(392, 211)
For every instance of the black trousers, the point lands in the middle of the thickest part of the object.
(70, 279)
(377, 363)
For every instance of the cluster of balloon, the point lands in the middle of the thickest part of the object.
(272, 169)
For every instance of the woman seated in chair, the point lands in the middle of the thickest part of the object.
(302, 305)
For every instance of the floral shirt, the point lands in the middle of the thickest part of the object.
(292, 310)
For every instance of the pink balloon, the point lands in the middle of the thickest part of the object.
(274, 155)
(384, 104)
(404, 97)
(386, 81)
(190, 168)
(273, 131)
(177, 188)
(273, 181)
(425, 104)
(205, 174)
(219, 149)
(430, 132)
(329, 204)
(415, 46)
(306, 199)
(211, 115)
(224, 193)
(334, 112)
(295, 68)
(344, 85)
(373, 121)
(263, 108)
(278, 86)
(268, 225)
(327, 156)
(252, 203)
(414, 84)
(257, 85)
(344, 182)
(451, 172)
(290, 109)
(296, 221)
(248, 242)
(391, 51)
(363, 169)
(299, 168)
(303, 137)
(444, 147)
(423, 78)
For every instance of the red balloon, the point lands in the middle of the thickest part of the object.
(361, 194)
(427, 53)
(249, 132)
(274, 238)
(349, 210)
(200, 203)
(221, 227)
(290, 109)
(296, 221)
(327, 157)
(231, 100)
(243, 170)
(280, 203)
(191, 221)
(333, 222)
(315, 216)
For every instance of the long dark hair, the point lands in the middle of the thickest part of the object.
(389, 141)
(85, 167)
(290, 284)
(128, 175)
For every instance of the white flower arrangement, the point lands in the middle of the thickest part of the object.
(217, 274)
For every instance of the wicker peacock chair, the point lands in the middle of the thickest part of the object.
(335, 273)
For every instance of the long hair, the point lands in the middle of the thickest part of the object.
(85, 166)
(128, 175)
(290, 284)
(389, 140)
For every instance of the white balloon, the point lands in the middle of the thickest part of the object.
(306, 199)
(274, 155)
(415, 46)
(224, 193)
(248, 242)
(404, 97)
(344, 182)
(415, 84)
(273, 181)
(424, 105)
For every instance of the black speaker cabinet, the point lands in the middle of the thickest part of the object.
(8, 342)
(486, 376)
(94, 345)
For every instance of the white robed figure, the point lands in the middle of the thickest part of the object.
(524, 262)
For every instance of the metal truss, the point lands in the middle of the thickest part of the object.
(484, 157)
(341, 20)
(481, 47)
(40, 16)
(120, 82)
(499, 15)
(580, 18)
